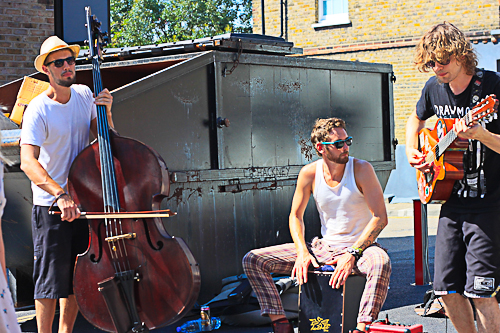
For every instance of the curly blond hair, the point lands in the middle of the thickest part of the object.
(321, 130)
(442, 41)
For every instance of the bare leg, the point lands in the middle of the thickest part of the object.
(68, 311)
(45, 310)
(460, 312)
(276, 317)
(362, 326)
(488, 315)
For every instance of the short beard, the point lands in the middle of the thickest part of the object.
(341, 159)
(63, 82)
(66, 83)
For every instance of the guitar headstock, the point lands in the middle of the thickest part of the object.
(485, 110)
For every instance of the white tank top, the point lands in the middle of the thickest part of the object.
(342, 209)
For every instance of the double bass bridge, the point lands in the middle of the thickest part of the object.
(131, 235)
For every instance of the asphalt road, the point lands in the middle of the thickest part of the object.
(403, 294)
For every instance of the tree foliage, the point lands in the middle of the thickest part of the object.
(143, 22)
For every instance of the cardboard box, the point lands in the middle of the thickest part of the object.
(30, 88)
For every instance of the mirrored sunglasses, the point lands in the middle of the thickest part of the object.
(339, 143)
(60, 62)
(432, 63)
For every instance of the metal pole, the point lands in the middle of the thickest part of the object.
(263, 17)
(421, 244)
(281, 15)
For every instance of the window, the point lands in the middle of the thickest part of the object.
(332, 12)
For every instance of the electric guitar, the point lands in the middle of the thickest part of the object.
(442, 147)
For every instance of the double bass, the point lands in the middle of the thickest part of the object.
(134, 276)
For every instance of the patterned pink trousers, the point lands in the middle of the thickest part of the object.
(375, 265)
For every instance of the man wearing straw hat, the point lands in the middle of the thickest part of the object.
(56, 127)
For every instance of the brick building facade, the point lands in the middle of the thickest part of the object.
(24, 24)
(378, 31)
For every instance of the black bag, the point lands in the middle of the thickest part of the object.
(237, 304)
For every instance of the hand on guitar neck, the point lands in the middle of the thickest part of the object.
(473, 130)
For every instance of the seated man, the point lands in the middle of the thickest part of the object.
(352, 211)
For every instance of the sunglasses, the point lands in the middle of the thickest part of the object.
(60, 62)
(432, 63)
(339, 143)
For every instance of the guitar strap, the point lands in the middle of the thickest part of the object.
(473, 184)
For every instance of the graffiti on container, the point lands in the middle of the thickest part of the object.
(249, 85)
(179, 194)
(306, 149)
(186, 99)
(283, 171)
(290, 87)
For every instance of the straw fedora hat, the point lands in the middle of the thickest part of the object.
(50, 45)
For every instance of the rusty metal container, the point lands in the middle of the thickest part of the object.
(232, 117)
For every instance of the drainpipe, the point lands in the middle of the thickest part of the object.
(263, 18)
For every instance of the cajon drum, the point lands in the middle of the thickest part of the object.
(324, 309)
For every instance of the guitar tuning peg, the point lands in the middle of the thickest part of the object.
(495, 116)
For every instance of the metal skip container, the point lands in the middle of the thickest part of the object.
(232, 117)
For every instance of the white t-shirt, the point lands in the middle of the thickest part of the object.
(61, 131)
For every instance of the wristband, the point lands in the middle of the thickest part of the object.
(356, 252)
(60, 195)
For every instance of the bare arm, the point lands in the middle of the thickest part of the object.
(415, 157)
(477, 132)
(2, 254)
(40, 177)
(368, 184)
(301, 197)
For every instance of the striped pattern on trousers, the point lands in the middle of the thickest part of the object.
(374, 264)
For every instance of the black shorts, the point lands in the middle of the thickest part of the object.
(467, 258)
(56, 244)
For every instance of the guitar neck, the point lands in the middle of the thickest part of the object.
(444, 143)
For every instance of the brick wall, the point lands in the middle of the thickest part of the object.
(409, 81)
(24, 24)
(381, 31)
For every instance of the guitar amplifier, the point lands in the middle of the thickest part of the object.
(381, 327)
(322, 308)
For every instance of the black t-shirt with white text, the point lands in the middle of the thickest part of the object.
(438, 99)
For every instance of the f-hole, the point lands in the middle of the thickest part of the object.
(99, 239)
(150, 242)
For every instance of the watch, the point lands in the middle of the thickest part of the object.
(356, 252)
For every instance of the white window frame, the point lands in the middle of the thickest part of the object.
(325, 19)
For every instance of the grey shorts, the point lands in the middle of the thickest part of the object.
(467, 258)
(56, 244)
